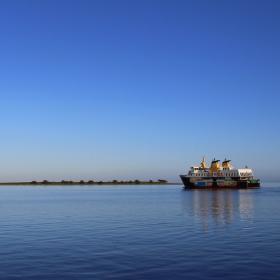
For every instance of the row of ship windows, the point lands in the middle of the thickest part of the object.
(225, 174)
(244, 174)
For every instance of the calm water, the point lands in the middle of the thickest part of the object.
(139, 232)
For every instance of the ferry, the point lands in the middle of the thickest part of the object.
(219, 176)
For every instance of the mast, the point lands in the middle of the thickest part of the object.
(203, 164)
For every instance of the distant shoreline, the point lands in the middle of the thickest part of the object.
(90, 182)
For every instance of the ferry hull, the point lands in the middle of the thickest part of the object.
(213, 183)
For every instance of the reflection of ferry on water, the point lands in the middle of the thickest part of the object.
(222, 207)
(219, 176)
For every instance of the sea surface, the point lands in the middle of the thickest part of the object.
(139, 232)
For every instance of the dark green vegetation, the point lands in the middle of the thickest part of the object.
(91, 182)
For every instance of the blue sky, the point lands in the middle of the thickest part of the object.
(137, 89)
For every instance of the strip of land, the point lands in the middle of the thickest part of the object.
(92, 182)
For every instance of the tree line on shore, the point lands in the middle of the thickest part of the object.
(92, 182)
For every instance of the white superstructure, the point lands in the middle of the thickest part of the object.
(224, 170)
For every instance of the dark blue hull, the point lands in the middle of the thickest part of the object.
(214, 183)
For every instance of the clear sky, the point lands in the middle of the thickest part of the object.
(137, 89)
